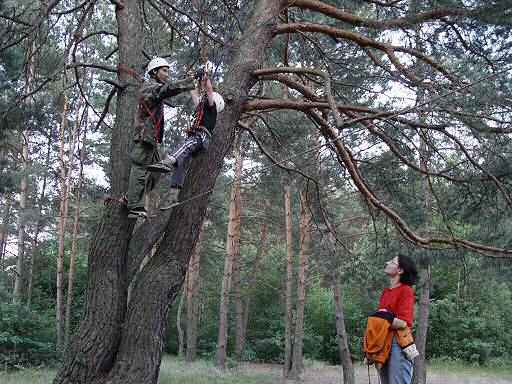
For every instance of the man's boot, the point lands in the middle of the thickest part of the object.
(137, 212)
(163, 166)
(170, 200)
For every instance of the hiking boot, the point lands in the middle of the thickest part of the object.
(137, 212)
(170, 200)
(163, 166)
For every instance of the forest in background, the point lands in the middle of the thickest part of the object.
(367, 128)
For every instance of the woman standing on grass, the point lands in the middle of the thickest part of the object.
(398, 299)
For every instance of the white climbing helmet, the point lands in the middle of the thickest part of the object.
(219, 102)
(157, 62)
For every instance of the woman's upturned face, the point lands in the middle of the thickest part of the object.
(392, 268)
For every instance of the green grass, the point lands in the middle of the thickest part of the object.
(27, 376)
(454, 367)
(174, 371)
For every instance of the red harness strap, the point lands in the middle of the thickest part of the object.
(156, 122)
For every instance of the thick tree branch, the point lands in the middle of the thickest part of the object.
(362, 41)
(402, 22)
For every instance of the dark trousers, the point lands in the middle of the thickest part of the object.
(141, 155)
(193, 145)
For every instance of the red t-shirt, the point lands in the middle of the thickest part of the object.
(400, 301)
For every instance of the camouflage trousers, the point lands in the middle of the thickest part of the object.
(141, 181)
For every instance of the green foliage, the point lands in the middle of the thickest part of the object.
(475, 331)
(26, 337)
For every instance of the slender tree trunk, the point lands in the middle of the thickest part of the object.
(24, 140)
(289, 281)
(341, 333)
(4, 229)
(35, 242)
(239, 313)
(74, 240)
(420, 366)
(262, 252)
(181, 347)
(232, 255)
(63, 213)
(20, 262)
(192, 299)
(304, 250)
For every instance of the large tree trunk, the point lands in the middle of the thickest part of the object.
(94, 347)
(115, 345)
(304, 250)
(232, 255)
(192, 298)
(289, 281)
(341, 333)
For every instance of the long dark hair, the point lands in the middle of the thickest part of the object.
(410, 274)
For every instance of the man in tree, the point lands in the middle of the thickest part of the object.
(149, 132)
(208, 104)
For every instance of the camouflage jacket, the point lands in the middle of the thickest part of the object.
(149, 121)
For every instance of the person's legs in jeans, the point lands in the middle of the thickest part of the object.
(182, 157)
(397, 370)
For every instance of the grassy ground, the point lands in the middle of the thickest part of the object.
(174, 371)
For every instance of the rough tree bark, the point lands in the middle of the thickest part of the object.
(289, 280)
(232, 256)
(192, 299)
(304, 250)
(120, 342)
(94, 347)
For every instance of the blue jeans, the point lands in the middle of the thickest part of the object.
(194, 143)
(397, 370)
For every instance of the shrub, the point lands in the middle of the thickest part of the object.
(26, 337)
